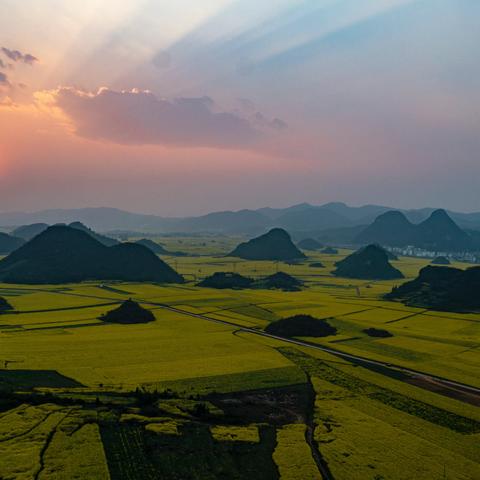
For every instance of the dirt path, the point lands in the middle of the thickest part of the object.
(322, 464)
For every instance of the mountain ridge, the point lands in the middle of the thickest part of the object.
(437, 233)
(301, 217)
(9, 243)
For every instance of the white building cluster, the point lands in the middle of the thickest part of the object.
(411, 251)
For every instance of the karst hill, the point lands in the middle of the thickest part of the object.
(273, 245)
(442, 288)
(370, 263)
(437, 233)
(62, 254)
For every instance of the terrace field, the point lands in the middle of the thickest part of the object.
(101, 401)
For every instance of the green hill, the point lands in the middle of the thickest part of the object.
(370, 263)
(280, 280)
(440, 233)
(441, 260)
(390, 228)
(63, 254)
(274, 245)
(301, 326)
(377, 332)
(226, 280)
(442, 288)
(129, 312)
(390, 255)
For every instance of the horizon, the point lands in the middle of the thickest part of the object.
(319, 205)
(232, 103)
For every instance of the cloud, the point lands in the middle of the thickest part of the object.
(278, 124)
(246, 105)
(5, 88)
(2, 64)
(4, 82)
(17, 56)
(139, 117)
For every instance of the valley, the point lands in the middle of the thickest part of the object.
(204, 375)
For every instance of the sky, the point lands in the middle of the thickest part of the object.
(186, 107)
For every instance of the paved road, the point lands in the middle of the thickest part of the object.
(414, 374)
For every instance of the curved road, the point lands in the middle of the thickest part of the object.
(450, 385)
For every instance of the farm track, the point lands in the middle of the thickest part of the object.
(413, 313)
(47, 443)
(60, 309)
(423, 312)
(60, 327)
(322, 465)
(30, 430)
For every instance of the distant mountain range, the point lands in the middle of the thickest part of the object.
(27, 232)
(298, 219)
(104, 240)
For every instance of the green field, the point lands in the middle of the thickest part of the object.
(184, 397)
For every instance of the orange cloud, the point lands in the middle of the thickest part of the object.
(138, 117)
